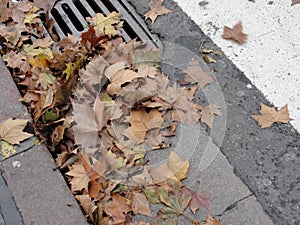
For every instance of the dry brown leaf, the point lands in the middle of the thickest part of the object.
(141, 122)
(270, 115)
(12, 131)
(177, 169)
(212, 221)
(140, 223)
(294, 2)
(156, 9)
(118, 209)
(208, 114)
(140, 204)
(87, 205)
(195, 74)
(44, 43)
(119, 78)
(197, 199)
(235, 33)
(80, 179)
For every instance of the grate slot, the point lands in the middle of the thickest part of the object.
(60, 26)
(83, 9)
(70, 17)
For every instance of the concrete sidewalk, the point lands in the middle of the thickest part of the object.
(31, 193)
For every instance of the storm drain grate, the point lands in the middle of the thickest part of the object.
(70, 18)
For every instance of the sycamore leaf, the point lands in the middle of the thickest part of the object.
(46, 5)
(208, 112)
(46, 80)
(141, 122)
(294, 2)
(176, 204)
(44, 42)
(212, 221)
(6, 12)
(195, 74)
(235, 33)
(197, 199)
(87, 205)
(12, 131)
(106, 25)
(177, 169)
(80, 179)
(119, 78)
(140, 204)
(156, 9)
(270, 115)
(93, 73)
(118, 209)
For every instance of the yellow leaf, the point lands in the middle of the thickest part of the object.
(179, 167)
(106, 25)
(12, 131)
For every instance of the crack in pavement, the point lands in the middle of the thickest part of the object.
(233, 205)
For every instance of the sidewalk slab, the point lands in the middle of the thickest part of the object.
(41, 194)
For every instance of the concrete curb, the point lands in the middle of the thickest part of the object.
(41, 195)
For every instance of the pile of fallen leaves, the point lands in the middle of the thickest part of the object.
(100, 104)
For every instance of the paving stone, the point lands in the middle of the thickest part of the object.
(41, 194)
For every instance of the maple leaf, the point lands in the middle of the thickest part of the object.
(118, 209)
(5, 11)
(212, 221)
(235, 33)
(18, 12)
(94, 72)
(87, 205)
(121, 77)
(269, 115)
(156, 9)
(176, 204)
(89, 38)
(140, 204)
(31, 15)
(106, 25)
(12, 33)
(46, 80)
(12, 131)
(195, 74)
(141, 122)
(197, 199)
(80, 179)
(208, 112)
(15, 60)
(294, 2)
(46, 5)
(44, 42)
(86, 129)
(176, 169)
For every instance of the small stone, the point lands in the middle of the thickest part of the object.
(16, 164)
(267, 182)
(249, 86)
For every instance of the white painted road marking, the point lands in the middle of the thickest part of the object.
(271, 56)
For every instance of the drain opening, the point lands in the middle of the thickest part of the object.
(70, 18)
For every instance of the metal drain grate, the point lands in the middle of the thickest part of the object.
(69, 17)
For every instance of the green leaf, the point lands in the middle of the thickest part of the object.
(49, 115)
(152, 196)
(69, 70)
(120, 188)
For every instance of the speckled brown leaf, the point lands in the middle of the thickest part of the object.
(140, 204)
(208, 114)
(195, 74)
(197, 200)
